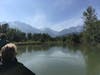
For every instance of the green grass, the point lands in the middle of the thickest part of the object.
(38, 42)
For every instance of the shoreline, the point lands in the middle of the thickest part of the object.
(40, 43)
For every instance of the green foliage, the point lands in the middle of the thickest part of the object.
(29, 36)
(42, 37)
(91, 26)
(16, 35)
(95, 32)
(74, 38)
(12, 34)
(4, 28)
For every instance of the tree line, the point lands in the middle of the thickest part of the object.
(16, 35)
(90, 34)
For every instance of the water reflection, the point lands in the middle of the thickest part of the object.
(53, 61)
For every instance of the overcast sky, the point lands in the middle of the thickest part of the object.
(54, 14)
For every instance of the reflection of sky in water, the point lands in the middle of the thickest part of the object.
(55, 61)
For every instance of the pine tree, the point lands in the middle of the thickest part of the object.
(90, 19)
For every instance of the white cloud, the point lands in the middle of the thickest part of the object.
(38, 20)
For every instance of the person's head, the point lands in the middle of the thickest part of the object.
(8, 52)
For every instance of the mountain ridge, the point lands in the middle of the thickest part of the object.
(29, 29)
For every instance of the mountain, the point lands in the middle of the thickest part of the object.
(50, 32)
(71, 30)
(23, 27)
(28, 28)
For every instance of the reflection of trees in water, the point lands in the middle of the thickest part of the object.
(30, 48)
(92, 59)
(93, 62)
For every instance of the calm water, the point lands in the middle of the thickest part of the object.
(59, 60)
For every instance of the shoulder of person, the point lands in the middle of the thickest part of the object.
(25, 70)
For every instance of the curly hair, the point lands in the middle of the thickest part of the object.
(9, 51)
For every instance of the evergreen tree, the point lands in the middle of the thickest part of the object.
(89, 19)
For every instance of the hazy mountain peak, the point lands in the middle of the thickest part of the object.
(28, 28)
(24, 27)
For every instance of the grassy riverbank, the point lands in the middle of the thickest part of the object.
(39, 43)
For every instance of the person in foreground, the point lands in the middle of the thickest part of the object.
(9, 64)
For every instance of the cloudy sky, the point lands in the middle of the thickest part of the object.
(54, 14)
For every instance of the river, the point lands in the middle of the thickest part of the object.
(59, 60)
